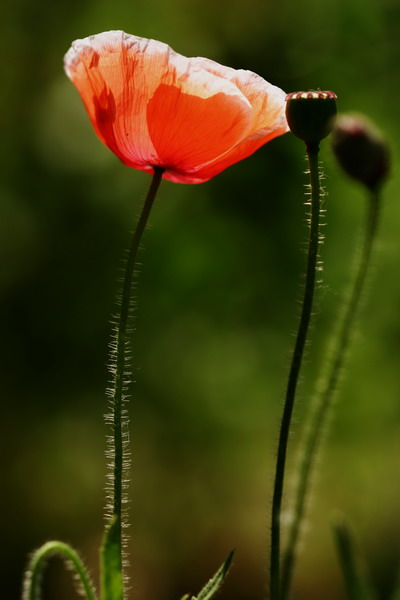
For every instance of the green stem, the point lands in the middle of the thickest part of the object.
(120, 367)
(38, 562)
(312, 261)
(326, 389)
(356, 582)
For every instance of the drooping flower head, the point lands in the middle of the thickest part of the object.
(154, 107)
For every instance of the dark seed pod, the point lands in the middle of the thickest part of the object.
(311, 115)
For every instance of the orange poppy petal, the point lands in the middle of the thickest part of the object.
(143, 99)
(267, 100)
(188, 131)
(152, 106)
(236, 154)
(107, 71)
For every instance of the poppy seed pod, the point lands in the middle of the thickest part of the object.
(361, 150)
(311, 115)
(153, 107)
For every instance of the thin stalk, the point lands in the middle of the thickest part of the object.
(120, 367)
(326, 388)
(297, 357)
(356, 581)
(38, 562)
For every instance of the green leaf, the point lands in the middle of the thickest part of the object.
(356, 582)
(214, 585)
(111, 563)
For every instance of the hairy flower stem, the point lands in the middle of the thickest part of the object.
(38, 562)
(120, 365)
(297, 357)
(327, 386)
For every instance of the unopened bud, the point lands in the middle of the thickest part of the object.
(361, 150)
(310, 116)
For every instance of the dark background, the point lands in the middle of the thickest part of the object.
(217, 304)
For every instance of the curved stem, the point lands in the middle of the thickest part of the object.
(312, 261)
(120, 367)
(38, 562)
(326, 389)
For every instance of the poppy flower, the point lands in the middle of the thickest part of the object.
(154, 107)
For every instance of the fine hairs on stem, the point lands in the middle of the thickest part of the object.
(327, 386)
(38, 562)
(364, 155)
(113, 553)
(310, 116)
(296, 362)
(114, 546)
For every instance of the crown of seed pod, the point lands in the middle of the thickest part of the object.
(361, 150)
(311, 115)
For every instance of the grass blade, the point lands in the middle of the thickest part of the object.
(356, 582)
(213, 586)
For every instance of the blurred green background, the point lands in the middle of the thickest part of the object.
(217, 303)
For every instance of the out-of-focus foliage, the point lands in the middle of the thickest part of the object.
(217, 300)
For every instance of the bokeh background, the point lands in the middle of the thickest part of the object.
(217, 303)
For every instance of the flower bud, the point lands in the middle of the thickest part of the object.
(310, 116)
(361, 150)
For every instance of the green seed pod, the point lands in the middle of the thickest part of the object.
(311, 115)
(361, 150)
